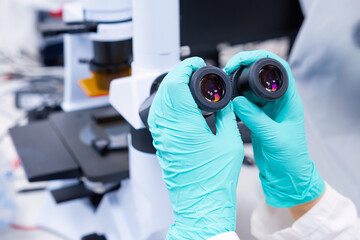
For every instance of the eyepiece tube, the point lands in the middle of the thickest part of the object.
(210, 88)
(266, 78)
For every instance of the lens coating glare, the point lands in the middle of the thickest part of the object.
(270, 78)
(212, 87)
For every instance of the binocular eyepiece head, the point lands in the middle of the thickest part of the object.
(212, 89)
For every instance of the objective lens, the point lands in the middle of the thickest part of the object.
(212, 87)
(270, 78)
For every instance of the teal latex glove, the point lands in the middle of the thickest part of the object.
(287, 173)
(200, 169)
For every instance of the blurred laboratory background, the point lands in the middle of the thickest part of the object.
(73, 76)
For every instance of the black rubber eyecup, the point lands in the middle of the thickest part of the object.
(196, 91)
(255, 81)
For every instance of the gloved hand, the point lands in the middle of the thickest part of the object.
(200, 169)
(287, 173)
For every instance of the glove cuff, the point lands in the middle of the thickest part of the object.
(195, 227)
(179, 231)
(294, 193)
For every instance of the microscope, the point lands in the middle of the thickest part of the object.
(114, 50)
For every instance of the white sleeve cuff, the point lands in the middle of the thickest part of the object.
(226, 236)
(334, 215)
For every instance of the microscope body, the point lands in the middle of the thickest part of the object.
(144, 207)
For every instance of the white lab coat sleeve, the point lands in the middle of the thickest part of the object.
(226, 236)
(333, 217)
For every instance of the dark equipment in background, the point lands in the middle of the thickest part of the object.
(206, 23)
(51, 49)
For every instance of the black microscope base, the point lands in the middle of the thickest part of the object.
(52, 149)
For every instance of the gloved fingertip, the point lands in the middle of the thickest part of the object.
(252, 116)
(182, 72)
(233, 63)
(230, 68)
(228, 108)
(225, 119)
(226, 70)
(241, 102)
(194, 62)
(197, 59)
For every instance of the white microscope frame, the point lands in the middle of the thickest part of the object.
(140, 209)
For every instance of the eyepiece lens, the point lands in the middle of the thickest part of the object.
(270, 78)
(212, 87)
